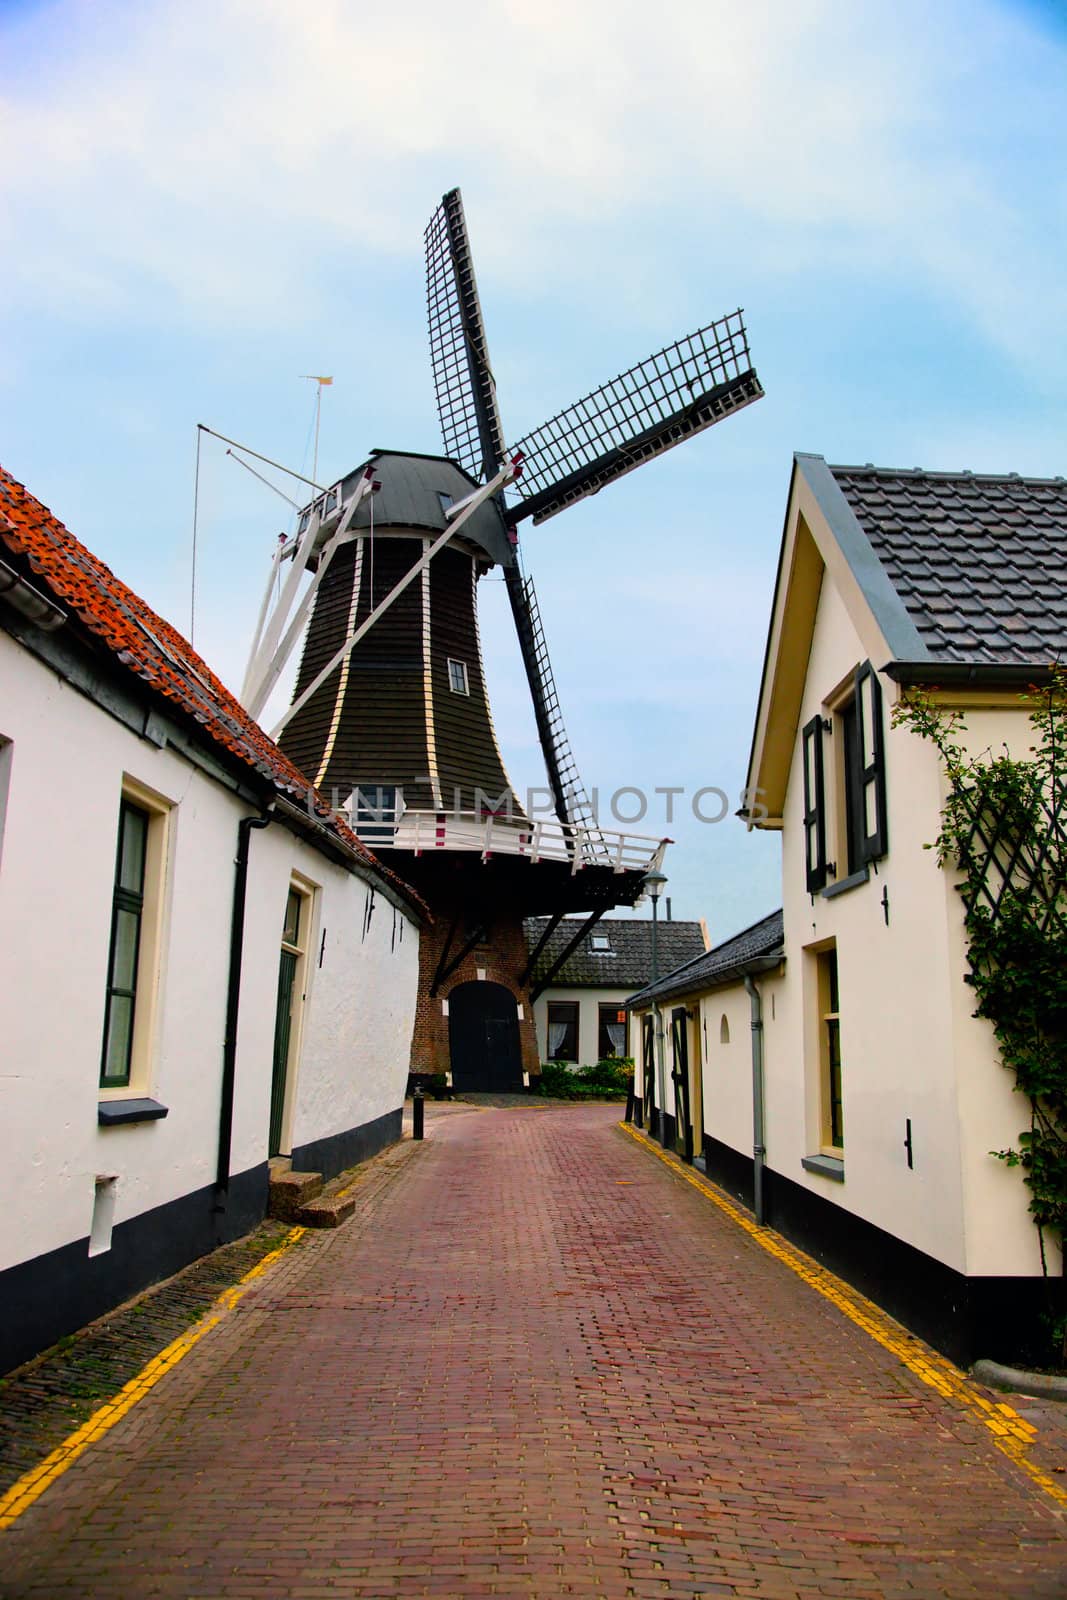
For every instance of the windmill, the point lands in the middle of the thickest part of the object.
(390, 714)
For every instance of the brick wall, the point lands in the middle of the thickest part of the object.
(501, 961)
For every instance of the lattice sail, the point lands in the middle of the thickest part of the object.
(462, 377)
(667, 398)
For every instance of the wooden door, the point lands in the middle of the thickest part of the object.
(483, 1039)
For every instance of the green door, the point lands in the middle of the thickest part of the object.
(283, 1020)
(283, 1028)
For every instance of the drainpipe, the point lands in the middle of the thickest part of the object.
(233, 1001)
(759, 1149)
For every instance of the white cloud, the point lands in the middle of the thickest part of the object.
(218, 155)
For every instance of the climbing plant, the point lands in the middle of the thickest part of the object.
(1004, 826)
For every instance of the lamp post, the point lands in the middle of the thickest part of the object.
(654, 882)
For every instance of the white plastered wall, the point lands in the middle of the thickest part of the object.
(589, 1000)
(910, 1048)
(68, 759)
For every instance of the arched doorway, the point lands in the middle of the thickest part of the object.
(483, 1039)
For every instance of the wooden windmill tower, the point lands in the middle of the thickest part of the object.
(390, 715)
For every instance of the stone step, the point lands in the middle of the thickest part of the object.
(291, 1192)
(328, 1212)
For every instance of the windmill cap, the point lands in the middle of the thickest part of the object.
(416, 491)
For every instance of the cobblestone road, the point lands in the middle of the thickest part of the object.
(538, 1364)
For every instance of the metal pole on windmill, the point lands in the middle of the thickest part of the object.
(321, 382)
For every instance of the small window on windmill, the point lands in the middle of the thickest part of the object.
(457, 677)
(445, 502)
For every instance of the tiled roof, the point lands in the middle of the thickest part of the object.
(629, 960)
(752, 949)
(150, 649)
(979, 562)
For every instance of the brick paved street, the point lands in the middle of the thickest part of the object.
(537, 1364)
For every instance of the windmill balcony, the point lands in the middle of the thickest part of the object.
(545, 839)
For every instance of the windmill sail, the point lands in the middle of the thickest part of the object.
(462, 376)
(474, 437)
(571, 801)
(667, 398)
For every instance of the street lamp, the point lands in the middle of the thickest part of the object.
(654, 882)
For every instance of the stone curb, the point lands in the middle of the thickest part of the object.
(1040, 1385)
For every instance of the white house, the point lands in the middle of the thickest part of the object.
(582, 981)
(201, 968)
(883, 1096)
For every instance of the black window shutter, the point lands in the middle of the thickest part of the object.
(873, 824)
(814, 806)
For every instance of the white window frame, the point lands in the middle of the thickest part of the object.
(150, 950)
(7, 753)
(309, 893)
(462, 670)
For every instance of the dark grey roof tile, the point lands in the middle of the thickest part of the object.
(628, 963)
(979, 561)
(751, 950)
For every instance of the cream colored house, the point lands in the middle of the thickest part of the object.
(883, 1095)
(580, 989)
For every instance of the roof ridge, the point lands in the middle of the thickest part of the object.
(941, 473)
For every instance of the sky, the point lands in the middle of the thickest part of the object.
(201, 203)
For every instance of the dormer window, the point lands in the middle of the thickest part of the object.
(457, 677)
(600, 944)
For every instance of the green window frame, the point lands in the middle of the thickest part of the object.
(124, 952)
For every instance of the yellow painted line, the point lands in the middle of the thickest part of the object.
(1011, 1433)
(33, 1484)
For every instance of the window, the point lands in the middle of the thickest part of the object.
(861, 832)
(444, 501)
(611, 1032)
(457, 677)
(5, 784)
(833, 1128)
(724, 1029)
(600, 944)
(374, 810)
(563, 1030)
(133, 950)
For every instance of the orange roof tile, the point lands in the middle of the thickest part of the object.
(148, 647)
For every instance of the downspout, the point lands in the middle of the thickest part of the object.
(759, 1149)
(233, 1002)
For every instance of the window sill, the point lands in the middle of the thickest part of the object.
(110, 1113)
(832, 1167)
(850, 882)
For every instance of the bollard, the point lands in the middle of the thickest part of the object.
(630, 1098)
(418, 1106)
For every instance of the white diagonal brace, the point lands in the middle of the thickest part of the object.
(271, 670)
(260, 620)
(466, 508)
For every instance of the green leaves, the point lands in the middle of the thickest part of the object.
(1004, 827)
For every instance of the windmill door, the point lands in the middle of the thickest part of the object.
(483, 1039)
(683, 1126)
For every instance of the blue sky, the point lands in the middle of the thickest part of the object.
(199, 204)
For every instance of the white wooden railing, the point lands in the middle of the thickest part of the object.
(543, 839)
